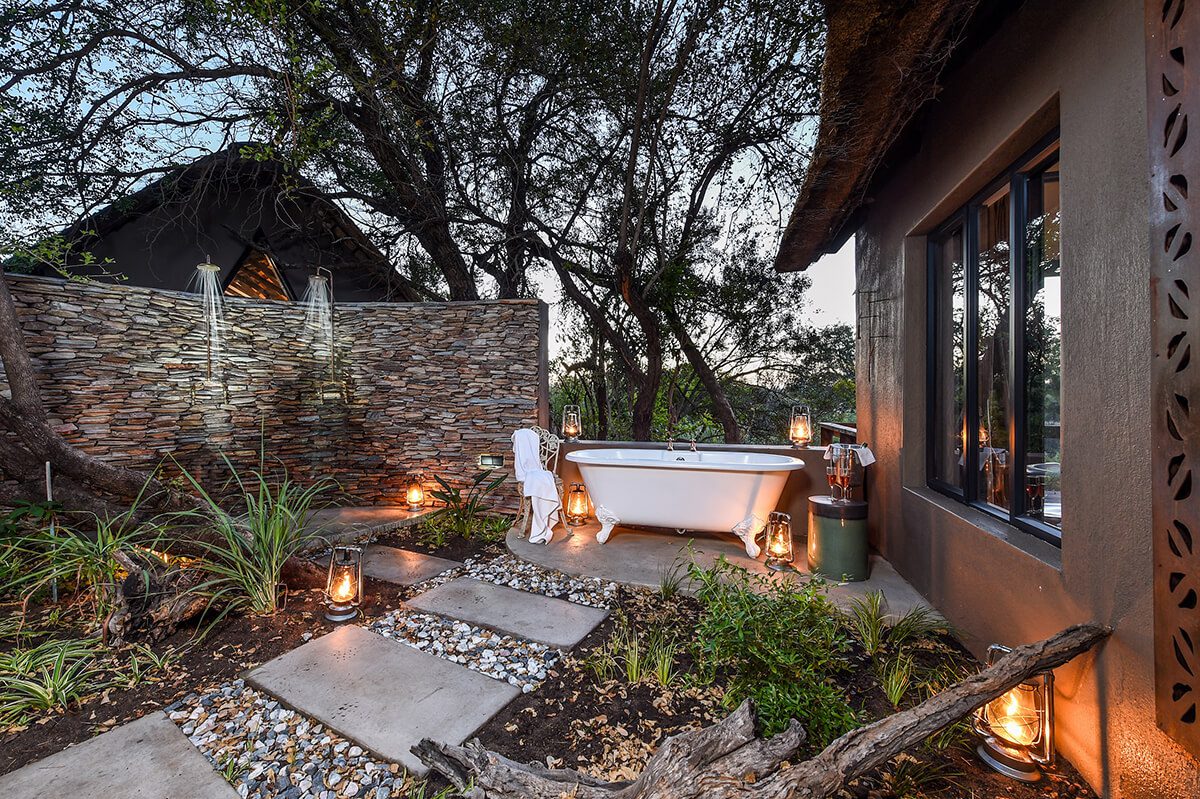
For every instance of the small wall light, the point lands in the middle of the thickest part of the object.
(571, 425)
(343, 588)
(415, 494)
(1018, 727)
(800, 429)
(578, 505)
(779, 542)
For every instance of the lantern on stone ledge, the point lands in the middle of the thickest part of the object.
(800, 428)
(343, 588)
(780, 553)
(1018, 726)
(578, 505)
(571, 424)
(415, 493)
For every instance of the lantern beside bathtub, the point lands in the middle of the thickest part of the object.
(780, 552)
(578, 505)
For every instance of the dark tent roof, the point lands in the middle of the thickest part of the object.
(882, 62)
(230, 208)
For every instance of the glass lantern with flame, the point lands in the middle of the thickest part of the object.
(571, 424)
(800, 428)
(415, 493)
(779, 542)
(1018, 726)
(578, 505)
(343, 588)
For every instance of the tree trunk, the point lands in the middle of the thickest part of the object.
(708, 379)
(727, 761)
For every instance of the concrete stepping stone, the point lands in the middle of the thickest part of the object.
(382, 694)
(534, 617)
(144, 759)
(401, 566)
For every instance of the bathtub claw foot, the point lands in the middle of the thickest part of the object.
(747, 530)
(608, 520)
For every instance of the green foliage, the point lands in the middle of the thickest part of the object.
(92, 561)
(142, 663)
(466, 514)
(895, 678)
(635, 655)
(670, 580)
(778, 643)
(246, 559)
(868, 622)
(49, 676)
(909, 777)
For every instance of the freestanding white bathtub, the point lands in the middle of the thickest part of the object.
(712, 490)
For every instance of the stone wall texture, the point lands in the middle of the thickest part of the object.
(417, 388)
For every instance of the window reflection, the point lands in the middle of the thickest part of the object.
(1043, 350)
(949, 399)
(993, 347)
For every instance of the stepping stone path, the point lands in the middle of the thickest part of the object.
(336, 717)
(538, 618)
(144, 759)
(384, 696)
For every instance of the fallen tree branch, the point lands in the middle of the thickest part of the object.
(727, 760)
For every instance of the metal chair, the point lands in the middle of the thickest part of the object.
(548, 446)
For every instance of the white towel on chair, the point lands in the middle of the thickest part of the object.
(537, 483)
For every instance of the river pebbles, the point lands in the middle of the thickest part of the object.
(516, 573)
(267, 750)
(502, 657)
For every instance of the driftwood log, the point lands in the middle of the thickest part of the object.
(728, 761)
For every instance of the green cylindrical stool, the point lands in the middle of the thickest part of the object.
(837, 539)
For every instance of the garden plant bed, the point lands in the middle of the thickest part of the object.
(608, 728)
(232, 646)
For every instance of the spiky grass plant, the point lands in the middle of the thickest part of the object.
(895, 678)
(868, 622)
(246, 558)
(49, 676)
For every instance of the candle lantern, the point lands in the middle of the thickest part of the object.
(415, 494)
(1017, 727)
(578, 505)
(571, 424)
(343, 588)
(800, 428)
(779, 542)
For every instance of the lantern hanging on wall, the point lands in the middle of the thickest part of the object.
(343, 588)
(800, 428)
(572, 425)
(1018, 726)
(779, 542)
(578, 505)
(415, 493)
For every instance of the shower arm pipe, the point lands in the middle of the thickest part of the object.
(328, 274)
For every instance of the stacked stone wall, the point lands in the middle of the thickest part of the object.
(416, 388)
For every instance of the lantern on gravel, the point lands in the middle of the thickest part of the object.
(415, 493)
(343, 588)
(578, 505)
(572, 425)
(1017, 727)
(779, 541)
(800, 428)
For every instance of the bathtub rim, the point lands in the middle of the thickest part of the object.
(786, 463)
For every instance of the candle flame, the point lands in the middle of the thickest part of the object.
(1019, 724)
(343, 591)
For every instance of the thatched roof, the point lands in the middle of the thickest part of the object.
(882, 62)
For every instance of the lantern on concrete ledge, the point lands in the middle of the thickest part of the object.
(572, 425)
(415, 493)
(800, 429)
(578, 505)
(1018, 726)
(343, 588)
(779, 542)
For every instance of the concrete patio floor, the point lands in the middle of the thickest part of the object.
(644, 557)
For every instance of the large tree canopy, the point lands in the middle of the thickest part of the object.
(638, 156)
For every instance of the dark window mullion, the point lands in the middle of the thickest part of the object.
(971, 359)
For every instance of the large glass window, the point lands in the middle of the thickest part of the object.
(995, 414)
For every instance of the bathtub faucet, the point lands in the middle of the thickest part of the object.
(692, 445)
(670, 443)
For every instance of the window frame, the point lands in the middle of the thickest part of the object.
(1017, 177)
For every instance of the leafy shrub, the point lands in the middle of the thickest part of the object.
(465, 514)
(777, 643)
(635, 655)
(49, 676)
(246, 559)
